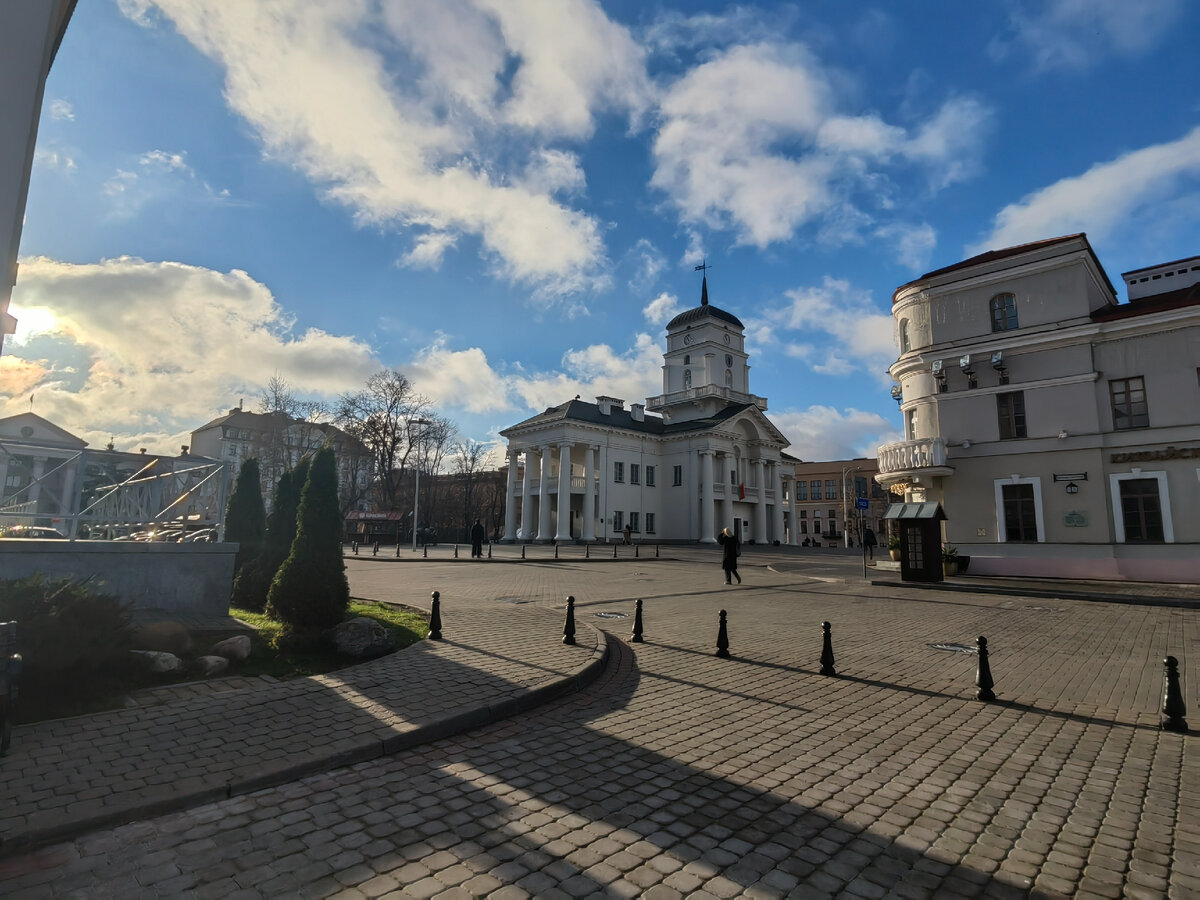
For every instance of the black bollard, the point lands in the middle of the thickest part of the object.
(556, 550)
(636, 548)
(522, 551)
(1173, 709)
(827, 652)
(723, 637)
(397, 548)
(656, 551)
(983, 673)
(425, 551)
(489, 549)
(636, 637)
(569, 627)
(354, 547)
(435, 618)
(456, 551)
(587, 551)
(375, 549)
(614, 551)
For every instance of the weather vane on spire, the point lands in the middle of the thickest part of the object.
(703, 267)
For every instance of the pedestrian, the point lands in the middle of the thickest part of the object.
(628, 534)
(731, 549)
(869, 542)
(477, 537)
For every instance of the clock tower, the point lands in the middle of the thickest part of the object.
(705, 367)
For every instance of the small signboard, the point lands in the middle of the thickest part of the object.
(862, 503)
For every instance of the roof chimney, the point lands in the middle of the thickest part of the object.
(638, 412)
(608, 404)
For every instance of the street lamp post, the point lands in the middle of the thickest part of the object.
(846, 470)
(417, 485)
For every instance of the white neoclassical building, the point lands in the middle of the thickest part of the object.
(709, 460)
(1058, 428)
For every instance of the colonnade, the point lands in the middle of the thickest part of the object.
(549, 518)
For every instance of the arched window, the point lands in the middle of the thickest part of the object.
(728, 378)
(1004, 312)
(687, 379)
(905, 343)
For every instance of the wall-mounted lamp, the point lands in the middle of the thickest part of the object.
(897, 393)
(939, 375)
(964, 363)
(966, 445)
(998, 365)
(1072, 488)
(1062, 435)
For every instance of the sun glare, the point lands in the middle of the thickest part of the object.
(31, 322)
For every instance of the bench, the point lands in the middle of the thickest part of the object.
(10, 676)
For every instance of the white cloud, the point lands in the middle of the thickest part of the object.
(648, 263)
(753, 141)
(428, 250)
(859, 335)
(61, 110)
(824, 432)
(1081, 33)
(912, 245)
(1102, 198)
(595, 370)
(414, 128)
(53, 159)
(167, 346)
(462, 379)
(662, 309)
(159, 175)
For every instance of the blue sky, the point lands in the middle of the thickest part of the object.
(506, 199)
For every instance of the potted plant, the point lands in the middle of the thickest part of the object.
(949, 559)
(894, 547)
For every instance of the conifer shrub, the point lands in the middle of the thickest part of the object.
(245, 516)
(253, 582)
(310, 591)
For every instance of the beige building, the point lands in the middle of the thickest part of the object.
(826, 498)
(1058, 428)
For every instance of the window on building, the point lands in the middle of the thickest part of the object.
(633, 522)
(1020, 512)
(832, 515)
(618, 520)
(804, 513)
(1010, 409)
(619, 472)
(728, 378)
(1141, 510)
(649, 476)
(687, 379)
(831, 489)
(1129, 403)
(905, 343)
(733, 477)
(860, 486)
(801, 490)
(649, 523)
(687, 360)
(803, 526)
(677, 476)
(817, 515)
(1004, 312)
(814, 490)
(635, 473)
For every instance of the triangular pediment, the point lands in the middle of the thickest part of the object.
(30, 428)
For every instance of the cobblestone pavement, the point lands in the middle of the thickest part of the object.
(680, 774)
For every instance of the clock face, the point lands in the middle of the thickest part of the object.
(728, 360)
(727, 337)
(687, 338)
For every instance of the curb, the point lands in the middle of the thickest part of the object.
(1042, 593)
(350, 752)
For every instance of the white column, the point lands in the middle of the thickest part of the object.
(707, 512)
(35, 486)
(544, 495)
(510, 508)
(527, 499)
(730, 490)
(589, 493)
(760, 508)
(563, 532)
(779, 523)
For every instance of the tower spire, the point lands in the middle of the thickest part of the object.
(703, 267)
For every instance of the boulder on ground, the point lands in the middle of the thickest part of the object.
(167, 637)
(236, 648)
(212, 665)
(158, 660)
(363, 637)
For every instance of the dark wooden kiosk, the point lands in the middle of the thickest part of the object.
(920, 526)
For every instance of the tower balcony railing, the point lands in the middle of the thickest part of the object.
(912, 456)
(709, 390)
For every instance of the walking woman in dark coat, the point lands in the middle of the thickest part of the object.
(730, 548)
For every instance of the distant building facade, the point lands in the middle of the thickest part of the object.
(279, 441)
(827, 498)
(1058, 428)
(710, 460)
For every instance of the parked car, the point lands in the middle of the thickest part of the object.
(33, 532)
(203, 536)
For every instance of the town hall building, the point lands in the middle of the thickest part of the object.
(710, 459)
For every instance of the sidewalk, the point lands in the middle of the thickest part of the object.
(1184, 596)
(69, 776)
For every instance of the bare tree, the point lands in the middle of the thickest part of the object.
(435, 437)
(468, 460)
(287, 430)
(383, 417)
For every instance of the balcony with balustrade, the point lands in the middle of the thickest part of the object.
(909, 461)
(708, 391)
